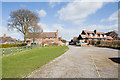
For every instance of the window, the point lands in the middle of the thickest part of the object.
(90, 35)
(43, 38)
(105, 36)
(53, 38)
(90, 39)
(95, 35)
(100, 35)
(28, 38)
(48, 38)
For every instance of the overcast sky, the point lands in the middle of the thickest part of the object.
(70, 18)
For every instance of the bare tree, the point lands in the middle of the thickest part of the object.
(22, 20)
(35, 28)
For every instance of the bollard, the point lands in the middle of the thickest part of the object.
(11, 50)
(3, 52)
(22, 48)
(17, 49)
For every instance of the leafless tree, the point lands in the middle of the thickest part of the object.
(23, 20)
(34, 29)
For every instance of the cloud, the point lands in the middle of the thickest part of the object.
(23, 6)
(41, 13)
(96, 0)
(53, 3)
(14, 33)
(44, 27)
(77, 12)
(69, 33)
(112, 17)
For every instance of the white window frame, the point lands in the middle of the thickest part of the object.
(105, 35)
(100, 35)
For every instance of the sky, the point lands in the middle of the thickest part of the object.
(70, 18)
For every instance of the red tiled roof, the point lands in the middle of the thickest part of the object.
(109, 37)
(60, 38)
(48, 34)
(42, 35)
(7, 39)
(93, 32)
(75, 38)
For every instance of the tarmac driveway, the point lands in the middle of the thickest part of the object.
(81, 62)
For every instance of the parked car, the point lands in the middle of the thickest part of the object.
(81, 43)
(72, 43)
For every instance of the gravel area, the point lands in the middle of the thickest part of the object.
(80, 62)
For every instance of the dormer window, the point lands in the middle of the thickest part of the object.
(105, 36)
(95, 35)
(90, 35)
(100, 35)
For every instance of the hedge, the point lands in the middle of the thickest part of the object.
(11, 45)
(111, 44)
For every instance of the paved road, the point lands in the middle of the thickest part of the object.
(81, 62)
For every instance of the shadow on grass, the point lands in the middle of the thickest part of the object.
(115, 59)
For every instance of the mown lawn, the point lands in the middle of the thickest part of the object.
(21, 64)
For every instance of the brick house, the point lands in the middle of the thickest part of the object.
(113, 34)
(93, 35)
(74, 40)
(43, 38)
(8, 40)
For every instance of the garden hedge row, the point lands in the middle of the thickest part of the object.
(109, 44)
(11, 45)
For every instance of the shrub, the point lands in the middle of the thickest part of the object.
(108, 43)
(53, 44)
(98, 42)
(64, 41)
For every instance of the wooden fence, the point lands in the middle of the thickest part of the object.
(6, 51)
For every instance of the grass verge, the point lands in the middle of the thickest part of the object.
(19, 65)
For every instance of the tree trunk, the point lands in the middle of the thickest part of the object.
(24, 38)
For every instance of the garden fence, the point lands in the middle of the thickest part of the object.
(6, 51)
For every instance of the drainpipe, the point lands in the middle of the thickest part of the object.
(57, 35)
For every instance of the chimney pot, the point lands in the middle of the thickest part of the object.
(42, 30)
(4, 35)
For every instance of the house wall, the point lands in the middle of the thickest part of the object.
(45, 40)
(42, 40)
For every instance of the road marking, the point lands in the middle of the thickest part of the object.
(96, 68)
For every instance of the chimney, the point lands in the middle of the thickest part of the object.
(4, 35)
(57, 35)
(42, 30)
(95, 31)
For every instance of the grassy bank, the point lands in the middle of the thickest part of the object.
(19, 65)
